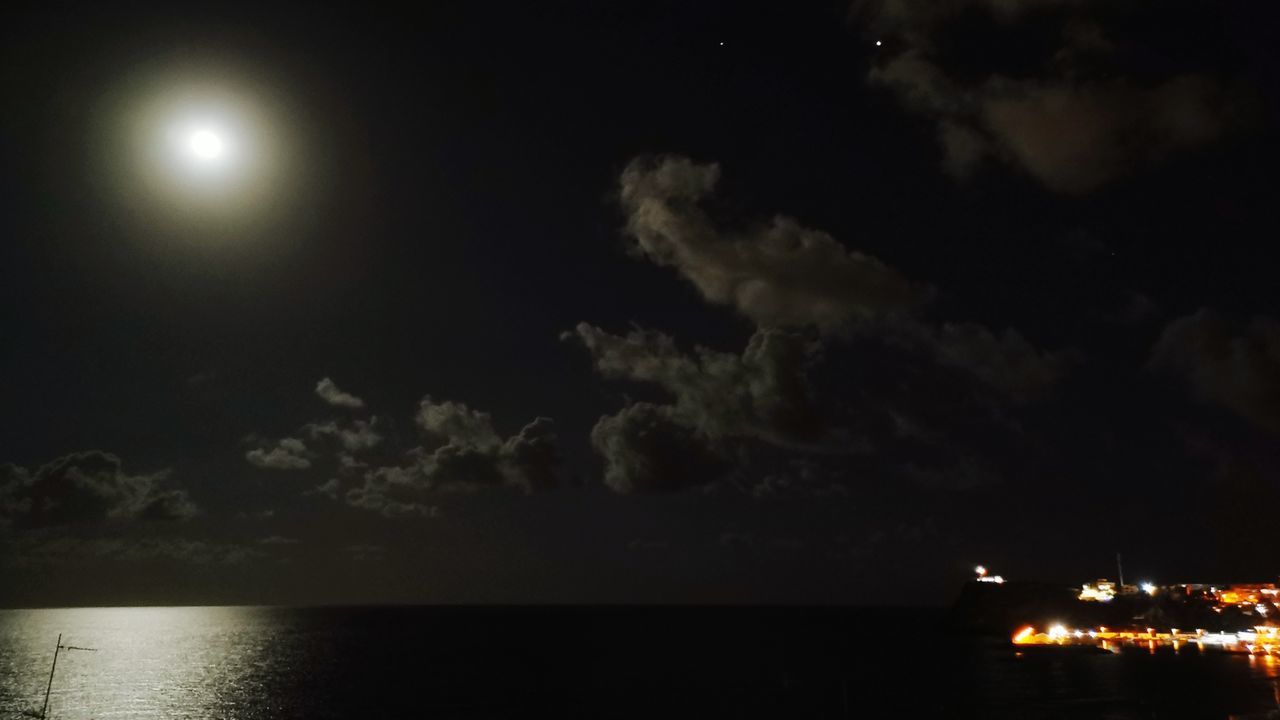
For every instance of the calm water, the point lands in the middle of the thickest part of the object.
(584, 663)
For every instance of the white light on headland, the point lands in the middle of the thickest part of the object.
(983, 576)
(1149, 588)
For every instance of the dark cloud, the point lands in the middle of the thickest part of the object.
(457, 424)
(86, 487)
(646, 449)
(329, 392)
(1236, 366)
(356, 436)
(532, 456)
(463, 453)
(288, 454)
(761, 393)
(790, 417)
(838, 369)
(778, 274)
(1071, 112)
(789, 276)
(391, 491)
(1006, 362)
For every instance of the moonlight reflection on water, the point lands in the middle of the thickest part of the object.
(185, 662)
(259, 663)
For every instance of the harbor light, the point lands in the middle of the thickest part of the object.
(1149, 588)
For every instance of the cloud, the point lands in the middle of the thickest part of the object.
(389, 491)
(787, 276)
(779, 274)
(1074, 137)
(532, 457)
(1068, 112)
(357, 436)
(646, 449)
(1236, 366)
(1005, 362)
(720, 404)
(458, 424)
(329, 488)
(463, 453)
(288, 454)
(792, 414)
(761, 393)
(841, 364)
(329, 392)
(86, 487)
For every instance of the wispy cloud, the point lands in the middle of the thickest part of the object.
(329, 392)
(288, 454)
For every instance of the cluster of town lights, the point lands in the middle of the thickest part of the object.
(1262, 598)
(1106, 591)
(1247, 597)
(1262, 640)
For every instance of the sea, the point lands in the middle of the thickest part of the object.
(250, 663)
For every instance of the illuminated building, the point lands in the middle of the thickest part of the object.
(1247, 594)
(1102, 590)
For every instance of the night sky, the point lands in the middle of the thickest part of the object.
(635, 302)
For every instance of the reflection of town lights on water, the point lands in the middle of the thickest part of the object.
(1263, 640)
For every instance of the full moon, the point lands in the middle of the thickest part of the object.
(204, 148)
(206, 144)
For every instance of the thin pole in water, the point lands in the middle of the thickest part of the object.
(51, 669)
